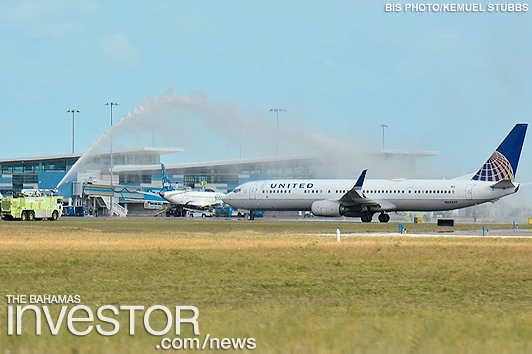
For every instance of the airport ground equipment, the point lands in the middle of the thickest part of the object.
(78, 211)
(33, 206)
(223, 211)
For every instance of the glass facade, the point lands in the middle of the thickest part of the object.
(134, 178)
(61, 165)
(22, 174)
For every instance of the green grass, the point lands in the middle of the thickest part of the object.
(185, 225)
(294, 293)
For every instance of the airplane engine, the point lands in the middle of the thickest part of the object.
(327, 208)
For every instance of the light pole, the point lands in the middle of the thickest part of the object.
(277, 110)
(111, 104)
(73, 111)
(383, 126)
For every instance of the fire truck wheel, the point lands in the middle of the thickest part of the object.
(54, 215)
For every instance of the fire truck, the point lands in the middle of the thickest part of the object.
(32, 205)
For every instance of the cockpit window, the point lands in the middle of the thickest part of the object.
(237, 190)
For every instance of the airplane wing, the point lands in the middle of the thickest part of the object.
(199, 204)
(355, 196)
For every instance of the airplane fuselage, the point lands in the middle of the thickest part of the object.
(391, 195)
(193, 198)
(334, 197)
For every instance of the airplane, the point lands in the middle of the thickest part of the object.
(187, 199)
(363, 198)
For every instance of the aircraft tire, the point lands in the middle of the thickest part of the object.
(384, 217)
(366, 216)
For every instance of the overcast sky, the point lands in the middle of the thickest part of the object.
(451, 82)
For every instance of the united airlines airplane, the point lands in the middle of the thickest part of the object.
(363, 198)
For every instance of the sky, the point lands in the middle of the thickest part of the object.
(449, 82)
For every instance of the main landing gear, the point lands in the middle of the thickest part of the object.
(366, 216)
(384, 217)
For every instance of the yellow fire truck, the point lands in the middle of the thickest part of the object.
(33, 205)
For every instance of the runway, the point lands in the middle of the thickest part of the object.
(443, 234)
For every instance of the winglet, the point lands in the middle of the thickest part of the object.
(360, 180)
(167, 185)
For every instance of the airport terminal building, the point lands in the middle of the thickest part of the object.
(139, 170)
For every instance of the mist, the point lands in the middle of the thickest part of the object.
(208, 131)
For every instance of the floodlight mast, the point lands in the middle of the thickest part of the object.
(111, 104)
(73, 111)
(277, 110)
(383, 126)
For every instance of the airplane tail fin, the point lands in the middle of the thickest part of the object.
(502, 164)
(167, 185)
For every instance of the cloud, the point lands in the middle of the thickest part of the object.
(118, 47)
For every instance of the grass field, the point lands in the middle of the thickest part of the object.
(291, 291)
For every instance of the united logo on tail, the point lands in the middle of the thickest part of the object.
(495, 169)
(502, 165)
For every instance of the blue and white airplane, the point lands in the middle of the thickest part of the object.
(187, 198)
(363, 198)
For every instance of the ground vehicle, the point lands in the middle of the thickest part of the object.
(32, 207)
(199, 213)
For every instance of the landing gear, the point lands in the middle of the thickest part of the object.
(176, 211)
(366, 216)
(384, 217)
(251, 216)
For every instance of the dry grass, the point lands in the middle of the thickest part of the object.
(292, 292)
